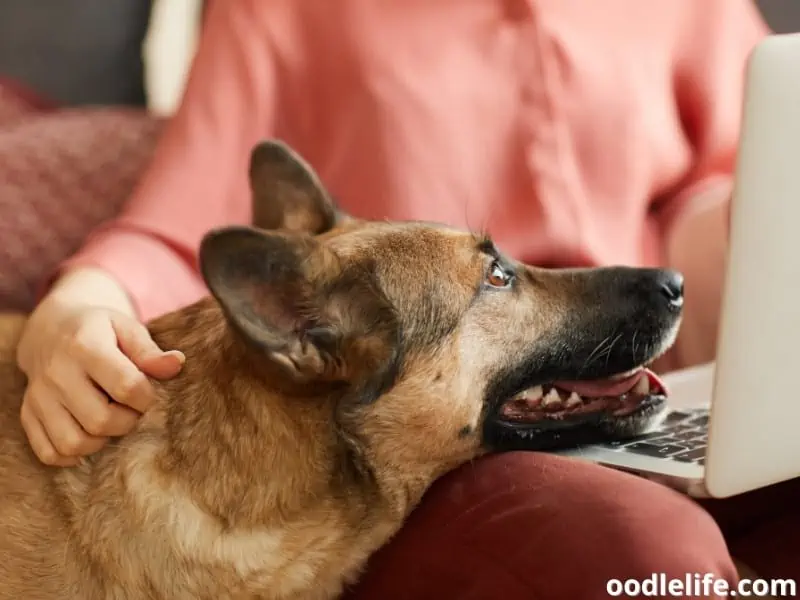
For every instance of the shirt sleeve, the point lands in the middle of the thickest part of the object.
(709, 74)
(197, 179)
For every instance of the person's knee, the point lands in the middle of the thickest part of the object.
(538, 526)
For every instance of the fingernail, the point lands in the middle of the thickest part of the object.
(177, 354)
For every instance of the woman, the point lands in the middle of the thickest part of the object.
(578, 133)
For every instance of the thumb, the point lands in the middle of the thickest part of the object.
(135, 342)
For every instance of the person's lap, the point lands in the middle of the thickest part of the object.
(538, 526)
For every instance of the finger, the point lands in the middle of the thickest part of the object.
(166, 366)
(135, 340)
(91, 408)
(63, 431)
(116, 375)
(40, 443)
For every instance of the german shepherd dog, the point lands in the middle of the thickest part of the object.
(337, 368)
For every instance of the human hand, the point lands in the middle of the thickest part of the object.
(78, 358)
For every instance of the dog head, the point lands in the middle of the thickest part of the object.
(432, 344)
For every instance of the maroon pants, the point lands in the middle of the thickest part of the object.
(526, 525)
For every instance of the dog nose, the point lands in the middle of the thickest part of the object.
(671, 287)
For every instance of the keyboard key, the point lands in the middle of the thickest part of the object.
(654, 450)
(685, 444)
(695, 445)
(691, 455)
(701, 421)
(689, 434)
(676, 416)
(666, 439)
(682, 427)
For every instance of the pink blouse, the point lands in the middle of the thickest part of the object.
(575, 131)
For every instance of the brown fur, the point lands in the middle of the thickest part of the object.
(329, 380)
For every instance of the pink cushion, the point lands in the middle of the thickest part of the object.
(18, 102)
(62, 173)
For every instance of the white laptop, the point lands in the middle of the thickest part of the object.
(734, 426)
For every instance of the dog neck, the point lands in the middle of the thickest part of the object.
(265, 451)
(271, 448)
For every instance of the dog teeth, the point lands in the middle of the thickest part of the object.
(573, 400)
(642, 386)
(534, 393)
(531, 394)
(552, 398)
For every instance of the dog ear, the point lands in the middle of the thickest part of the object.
(287, 194)
(290, 296)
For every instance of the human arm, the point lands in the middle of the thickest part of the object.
(142, 264)
(197, 177)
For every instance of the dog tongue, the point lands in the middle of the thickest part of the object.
(607, 387)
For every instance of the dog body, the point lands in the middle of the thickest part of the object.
(151, 517)
(338, 368)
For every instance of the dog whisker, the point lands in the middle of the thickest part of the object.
(611, 347)
(588, 362)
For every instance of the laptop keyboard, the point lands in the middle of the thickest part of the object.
(683, 436)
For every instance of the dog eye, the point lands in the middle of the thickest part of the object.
(498, 277)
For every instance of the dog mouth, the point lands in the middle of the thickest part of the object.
(616, 396)
(563, 414)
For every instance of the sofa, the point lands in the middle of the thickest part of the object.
(85, 86)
